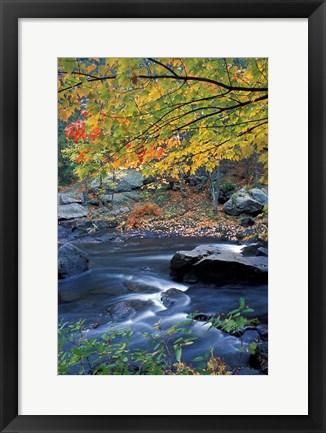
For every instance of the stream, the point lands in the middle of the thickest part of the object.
(139, 269)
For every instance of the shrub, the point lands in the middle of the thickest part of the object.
(134, 220)
(227, 186)
(112, 354)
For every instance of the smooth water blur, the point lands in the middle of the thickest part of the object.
(139, 270)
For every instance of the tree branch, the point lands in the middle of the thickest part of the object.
(205, 80)
(164, 66)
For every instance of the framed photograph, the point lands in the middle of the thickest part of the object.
(162, 216)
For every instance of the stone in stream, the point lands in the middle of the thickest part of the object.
(263, 331)
(173, 296)
(71, 211)
(190, 278)
(71, 261)
(209, 263)
(251, 336)
(184, 259)
(262, 252)
(257, 249)
(137, 287)
(126, 310)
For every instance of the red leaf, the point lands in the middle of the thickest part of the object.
(96, 132)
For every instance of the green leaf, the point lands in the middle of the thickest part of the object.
(198, 358)
(177, 353)
(252, 348)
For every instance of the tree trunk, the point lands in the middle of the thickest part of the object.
(215, 188)
(182, 184)
(113, 180)
(256, 170)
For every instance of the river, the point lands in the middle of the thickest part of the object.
(139, 269)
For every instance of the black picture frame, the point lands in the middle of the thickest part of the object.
(11, 11)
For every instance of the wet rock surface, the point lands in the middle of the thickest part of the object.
(209, 263)
(173, 296)
(71, 261)
(126, 310)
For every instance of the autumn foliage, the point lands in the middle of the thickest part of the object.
(134, 220)
(166, 117)
(77, 131)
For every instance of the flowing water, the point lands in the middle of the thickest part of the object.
(139, 269)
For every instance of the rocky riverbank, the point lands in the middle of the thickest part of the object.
(130, 204)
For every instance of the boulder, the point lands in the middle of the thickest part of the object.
(209, 263)
(121, 197)
(65, 234)
(126, 310)
(262, 252)
(190, 278)
(260, 195)
(71, 211)
(183, 259)
(71, 261)
(256, 249)
(263, 331)
(126, 180)
(246, 201)
(71, 224)
(66, 198)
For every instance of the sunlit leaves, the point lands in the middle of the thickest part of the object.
(147, 113)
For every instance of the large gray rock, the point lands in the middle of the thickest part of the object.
(71, 211)
(260, 195)
(246, 201)
(71, 261)
(66, 198)
(183, 259)
(126, 180)
(121, 197)
(211, 264)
